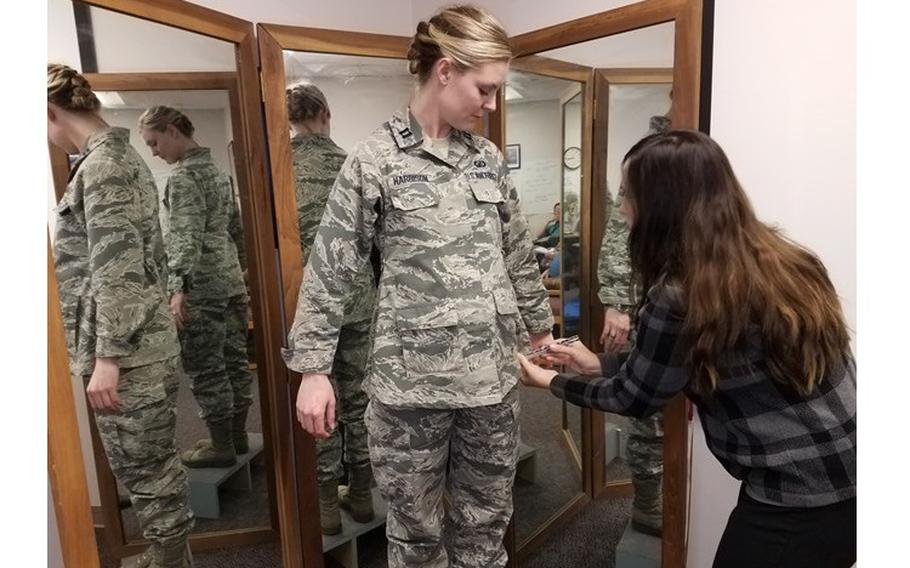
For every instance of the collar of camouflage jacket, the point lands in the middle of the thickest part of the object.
(197, 154)
(407, 133)
(315, 138)
(98, 138)
(659, 125)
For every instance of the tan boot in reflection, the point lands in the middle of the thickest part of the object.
(647, 506)
(218, 453)
(156, 556)
(329, 513)
(238, 434)
(357, 498)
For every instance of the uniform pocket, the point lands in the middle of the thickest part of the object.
(486, 191)
(505, 301)
(147, 435)
(430, 341)
(414, 196)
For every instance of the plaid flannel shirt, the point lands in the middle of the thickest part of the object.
(788, 450)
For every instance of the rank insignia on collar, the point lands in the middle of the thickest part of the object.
(480, 163)
(405, 132)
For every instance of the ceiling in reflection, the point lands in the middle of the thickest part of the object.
(185, 100)
(527, 87)
(647, 47)
(299, 65)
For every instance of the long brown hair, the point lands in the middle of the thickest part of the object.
(694, 226)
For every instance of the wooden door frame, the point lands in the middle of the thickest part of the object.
(65, 468)
(259, 238)
(687, 17)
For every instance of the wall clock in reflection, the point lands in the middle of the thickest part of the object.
(571, 158)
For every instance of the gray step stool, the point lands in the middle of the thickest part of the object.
(205, 482)
(527, 463)
(343, 546)
(637, 550)
(616, 441)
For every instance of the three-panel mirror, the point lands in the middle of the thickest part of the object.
(568, 114)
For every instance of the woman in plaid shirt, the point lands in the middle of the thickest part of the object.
(748, 325)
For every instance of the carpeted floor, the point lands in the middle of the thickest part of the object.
(558, 476)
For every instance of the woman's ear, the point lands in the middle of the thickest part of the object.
(444, 69)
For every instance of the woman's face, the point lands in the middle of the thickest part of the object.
(467, 95)
(164, 144)
(625, 207)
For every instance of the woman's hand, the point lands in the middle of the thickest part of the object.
(575, 356)
(617, 326)
(102, 387)
(533, 375)
(316, 405)
(178, 309)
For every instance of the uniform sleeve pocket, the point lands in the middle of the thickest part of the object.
(414, 196)
(505, 301)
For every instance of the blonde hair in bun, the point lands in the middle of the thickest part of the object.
(468, 35)
(159, 117)
(69, 90)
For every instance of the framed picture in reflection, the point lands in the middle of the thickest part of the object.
(513, 156)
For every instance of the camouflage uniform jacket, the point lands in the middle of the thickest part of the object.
(459, 287)
(109, 259)
(614, 270)
(202, 256)
(317, 161)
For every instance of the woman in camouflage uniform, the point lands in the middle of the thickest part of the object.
(110, 266)
(458, 292)
(205, 284)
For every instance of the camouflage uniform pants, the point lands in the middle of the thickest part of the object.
(646, 441)
(140, 446)
(646, 447)
(418, 453)
(215, 358)
(349, 440)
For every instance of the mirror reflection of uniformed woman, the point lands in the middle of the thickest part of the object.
(110, 265)
(317, 161)
(459, 291)
(205, 283)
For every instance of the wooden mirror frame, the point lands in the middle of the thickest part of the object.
(583, 76)
(687, 15)
(265, 300)
(110, 511)
(274, 39)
